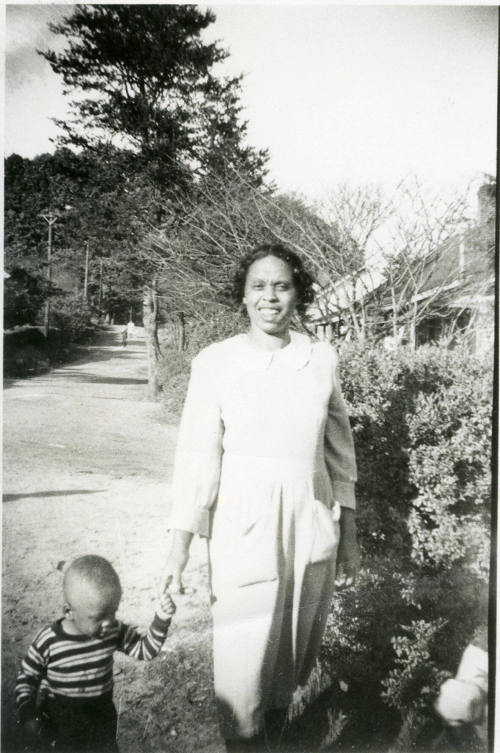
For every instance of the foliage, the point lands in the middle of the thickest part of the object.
(24, 294)
(147, 82)
(422, 426)
(73, 318)
(415, 679)
(94, 203)
(27, 351)
(450, 437)
(204, 235)
(386, 392)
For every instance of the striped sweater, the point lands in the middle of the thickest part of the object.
(76, 666)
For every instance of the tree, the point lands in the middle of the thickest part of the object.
(421, 256)
(399, 260)
(347, 277)
(24, 294)
(148, 85)
(204, 236)
(95, 203)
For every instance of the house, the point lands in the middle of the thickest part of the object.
(345, 304)
(444, 295)
(456, 293)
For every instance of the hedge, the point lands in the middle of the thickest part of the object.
(28, 352)
(422, 428)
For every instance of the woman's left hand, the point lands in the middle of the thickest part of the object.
(348, 559)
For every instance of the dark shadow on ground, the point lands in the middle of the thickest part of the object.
(58, 493)
(79, 376)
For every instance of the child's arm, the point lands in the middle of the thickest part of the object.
(147, 647)
(28, 680)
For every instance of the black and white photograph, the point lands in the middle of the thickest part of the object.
(249, 351)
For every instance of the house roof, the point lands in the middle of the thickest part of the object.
(345, 292)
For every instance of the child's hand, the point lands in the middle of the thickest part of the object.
(165, 608)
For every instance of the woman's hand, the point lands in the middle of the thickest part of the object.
(176, 562)
(348, 559)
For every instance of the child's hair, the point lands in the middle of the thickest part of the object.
(97, 572)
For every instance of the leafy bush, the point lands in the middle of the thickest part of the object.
(422, 428)
(384, 390)
(73, 318)
(26, 349)
(450, 437)
(25, 352)
(24, 294)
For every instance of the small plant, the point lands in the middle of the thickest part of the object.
(415, 679)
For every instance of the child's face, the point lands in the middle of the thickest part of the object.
(88, 612)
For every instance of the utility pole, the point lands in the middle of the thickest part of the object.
(50, 218)
(86, 280)
(100, 286)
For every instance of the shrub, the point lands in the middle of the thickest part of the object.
(421, 424)
(26, 349)
(25, 352)
(384, 390)
(24, 294)
(73, 318)
(450, 435)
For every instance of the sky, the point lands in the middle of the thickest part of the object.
(337, 93)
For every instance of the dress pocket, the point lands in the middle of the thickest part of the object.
(243, 553)
(325, 531)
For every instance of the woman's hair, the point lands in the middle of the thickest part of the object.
(302, 279)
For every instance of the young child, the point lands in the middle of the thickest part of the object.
(71, 662)
(462, 702)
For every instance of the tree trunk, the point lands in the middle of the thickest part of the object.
(413, 326)
(394, 313)
(150, 321)
(182, 332)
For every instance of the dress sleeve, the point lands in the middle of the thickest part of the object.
(199, 452)
(339, 446)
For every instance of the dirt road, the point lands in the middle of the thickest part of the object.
(87, 464)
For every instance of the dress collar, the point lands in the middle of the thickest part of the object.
(295, 355)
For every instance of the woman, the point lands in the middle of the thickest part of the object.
(265, 469)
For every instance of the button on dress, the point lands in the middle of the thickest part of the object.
(264, 461)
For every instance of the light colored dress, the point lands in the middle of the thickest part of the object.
(264, 461)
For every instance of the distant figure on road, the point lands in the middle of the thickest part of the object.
(124, 337)
(71, 660)
(130, 328)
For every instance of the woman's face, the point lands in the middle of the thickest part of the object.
(270, 295)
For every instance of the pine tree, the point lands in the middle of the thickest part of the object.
(148, 85)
